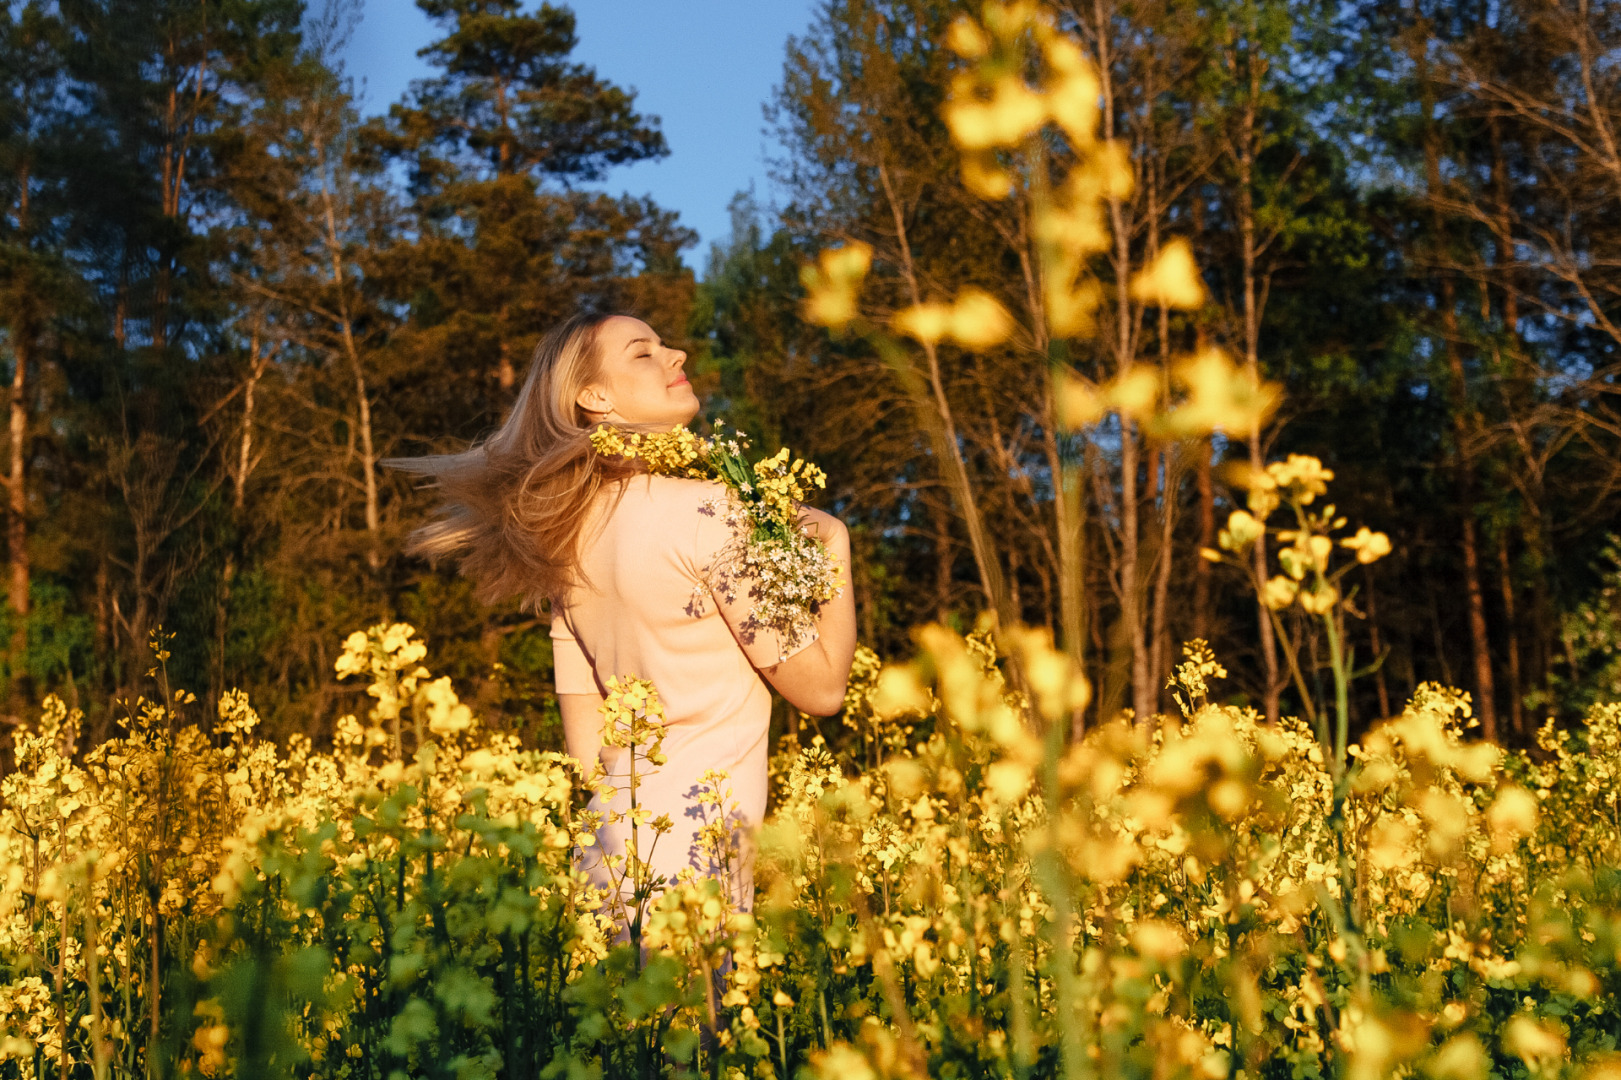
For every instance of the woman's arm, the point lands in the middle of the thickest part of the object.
(582, 728)
(814, 678)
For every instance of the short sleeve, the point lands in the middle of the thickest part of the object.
(573, 672)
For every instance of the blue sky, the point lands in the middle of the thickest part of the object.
(704, 67)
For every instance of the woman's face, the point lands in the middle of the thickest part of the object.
(640, 380)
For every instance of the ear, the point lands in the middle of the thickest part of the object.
(593, 400)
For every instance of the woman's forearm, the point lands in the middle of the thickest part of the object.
(836, 620)
(814, 678)
(582, 728)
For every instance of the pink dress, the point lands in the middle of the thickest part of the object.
(644, 609)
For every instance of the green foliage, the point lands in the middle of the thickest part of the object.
(61, 641)
(1591, 634)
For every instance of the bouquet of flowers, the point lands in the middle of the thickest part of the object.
(786, 572)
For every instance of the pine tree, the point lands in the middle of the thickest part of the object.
(507, 243)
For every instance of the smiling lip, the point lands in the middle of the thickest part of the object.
(682, 381)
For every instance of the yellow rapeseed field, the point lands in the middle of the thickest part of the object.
(1189, 896)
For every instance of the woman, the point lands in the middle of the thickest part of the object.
(626, 559)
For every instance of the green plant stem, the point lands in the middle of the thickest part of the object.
(1074, 1032)
(1342, 691)
(782, 1045)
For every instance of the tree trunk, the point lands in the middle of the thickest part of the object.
(1516, 719)
(1202, 568)
(1243, 152)
(351, 350)
(106, 634)
(1162, 659)
(17, 504)
(1252, 362)
(1485, 703)
(943, 428)
(1536, 558)
(1207, 539)
(16, 482)
(944, 557)
(244, 455)
(1462, 428)
(121, 307)
(1131, 589)
(1503, 229)
(1167, 479)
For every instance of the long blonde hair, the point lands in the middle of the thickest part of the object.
(515, 504)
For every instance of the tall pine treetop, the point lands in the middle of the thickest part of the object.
(511, 101)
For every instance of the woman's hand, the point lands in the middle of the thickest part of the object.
(823, 526)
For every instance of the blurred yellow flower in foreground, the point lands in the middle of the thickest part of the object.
(1172, 280)
(985, 177)
(1077, 402)
(1220, 396)
(975, 320)
(1072, 88)
(1536, 1044)
(983, 115)
(1136, 392)
(834, 282)
(1280, 592)
(1512, 816)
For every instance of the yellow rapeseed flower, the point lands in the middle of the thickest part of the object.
(1369, 546)
(1302, 473)
(1221, 396)
(927, 322)
(975, 320)
(1077, 403)
(1135, 392)
(1072, 89)
(984, 176)
(832, 284)
(1279, 592)
(1242, 530)
(965, 38)
(1171, 280)
(1319, 601)
(999, 113)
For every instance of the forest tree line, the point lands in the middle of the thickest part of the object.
(227, 296)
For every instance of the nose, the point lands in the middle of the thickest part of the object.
(680, 357)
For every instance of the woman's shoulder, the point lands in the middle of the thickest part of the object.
(683, 491)
(689, 517)
(667, 503)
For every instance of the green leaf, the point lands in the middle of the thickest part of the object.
(414, 1024)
